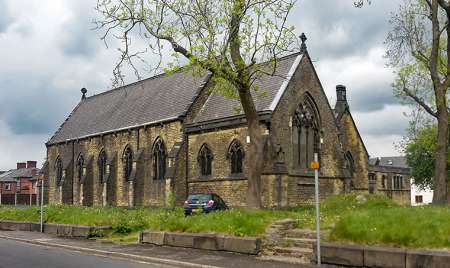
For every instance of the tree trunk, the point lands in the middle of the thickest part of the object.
(440, 171)
(255, 155)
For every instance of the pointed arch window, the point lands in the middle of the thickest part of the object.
(80, 164)
(59, 170)
(236, 157)
(350, 165)
(159, 160)
(127, 163)
(204, 159)
(306, 133)
(102, 157)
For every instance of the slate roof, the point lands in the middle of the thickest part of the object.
(270, 90)
(159, 98)
(14, 174)
(164, 97)
(390, 161)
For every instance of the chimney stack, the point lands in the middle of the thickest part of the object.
(21, 165)
(31, 164)
(341, 93)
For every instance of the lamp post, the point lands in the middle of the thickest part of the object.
(42, 205)
(316, 165)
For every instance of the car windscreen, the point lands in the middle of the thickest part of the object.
(199, 197)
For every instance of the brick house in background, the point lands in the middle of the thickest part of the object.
(18, 186)
(167, 136)
(392, 177)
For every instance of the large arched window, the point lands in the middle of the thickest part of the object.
(306, 132)
(80, 164)
(127, 163)
(59, 170)
(102, 157)
(159, 160)
(204, 159)
(236, 157)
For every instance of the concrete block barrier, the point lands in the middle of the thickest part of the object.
(15, 226)
(245, 245)
(370, 256)
(342, 255)
(384, 257)
(64, 230)
(426, 258)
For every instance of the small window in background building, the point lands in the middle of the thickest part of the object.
(8, 187)
(419, 199)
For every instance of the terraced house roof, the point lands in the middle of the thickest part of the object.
(14, 174)
(165, 97)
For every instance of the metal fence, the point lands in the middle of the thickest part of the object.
(18, 199)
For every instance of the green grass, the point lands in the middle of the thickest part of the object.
(372, 220)
(413, 227)
(238, 222)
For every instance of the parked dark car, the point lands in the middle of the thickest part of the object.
(203, 203)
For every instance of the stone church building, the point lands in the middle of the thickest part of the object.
(155, 141)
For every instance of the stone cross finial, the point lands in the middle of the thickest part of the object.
(303, 45)
(83, 91)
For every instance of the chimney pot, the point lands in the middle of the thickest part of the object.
(21, 165)
(31, 164)
(341, 93)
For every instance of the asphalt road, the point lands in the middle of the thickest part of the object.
(20, 255)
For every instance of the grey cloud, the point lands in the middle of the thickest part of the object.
(82, 39)
(371, 98)
(30, 106)
(363, 28)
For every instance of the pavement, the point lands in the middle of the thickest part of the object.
(23, 255)
(44, 250)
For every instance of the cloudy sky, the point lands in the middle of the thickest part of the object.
(48, 51)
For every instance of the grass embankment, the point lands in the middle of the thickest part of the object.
(376, 220)
(238, 222)
(370, 220)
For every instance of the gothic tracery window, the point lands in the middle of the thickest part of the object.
(59, 170)
(159, 160)
(127, 163)
(80, 164)
(204, 159)
(102, 166)
(236, 157)
(306, 133)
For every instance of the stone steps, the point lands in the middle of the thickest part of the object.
(285, 259)
(299, 242)
(304, 254)
(305, 233)
(301, 233)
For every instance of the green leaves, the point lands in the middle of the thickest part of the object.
(420, 156)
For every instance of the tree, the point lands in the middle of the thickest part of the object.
(419, 51)
(224, 37)
(420, 154)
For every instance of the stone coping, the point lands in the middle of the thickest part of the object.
(210, 241)
(63, 230)
(375, 256)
